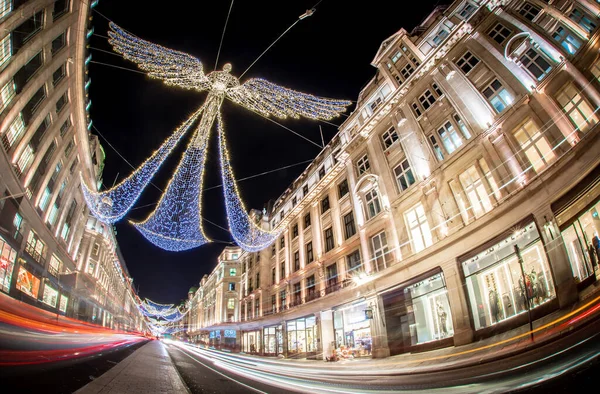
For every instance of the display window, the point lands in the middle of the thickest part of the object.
(251, 342)
(504, 281)
(352, 331)
(7, 264)
(273, 340)
(64, 301)
(50, 296)
(418, 313)
(301, 335)
(582, 241)
(28, 283)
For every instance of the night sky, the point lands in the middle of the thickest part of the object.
(328, 54)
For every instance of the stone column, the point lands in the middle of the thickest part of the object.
(457, 293)
(379, 348)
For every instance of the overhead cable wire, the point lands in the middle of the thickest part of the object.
(223, 34)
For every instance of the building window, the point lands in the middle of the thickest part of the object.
(354, 263)
(294, 201)
(58, 43)
(389, 138)
(487, 173)
(582, 20)
(282, 270)
(329, 239)
(578, 239)
(427, 99)
(396, 57)
(498, 286)
(231, 286)
(372, 203)
(14, 132)
(309, 253)
(381, 253)
(50, 296)
(304, 190)
(349, 227)
(567, 40)
(404, 175)
(294, 230)
(5, 8)
(64, 300)
(343, 188)
(5, 49)
(497, 96)
(307, 220)
(332, 277)
(296, 260)
(45, 200)
(325, 204)
(416, 109)
(418, 228)
(467, 62)
(282, 296)
(450, 137)
(534, 145)
(576, 108)
(54, 266)
(17, 223)
(466, 11)
(25, 158)
(28, 283)
(321, 172)
(535, 63)
(7, 94)
(65, 127)
(35, 247)
(529, 11)
(232, 271)
(27, 30)
(281, 243)
(273, 276)
(499, 33)
(436, 148)
(363, 165)
(61, 7)
(407, 71)
(475, 191)
(297, 291)
(62, 102)
(231, 303)
(311, 293)
(257, 307)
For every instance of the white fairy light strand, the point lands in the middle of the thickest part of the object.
(243, 229)
(111, 205)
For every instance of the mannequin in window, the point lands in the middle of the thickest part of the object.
(494, 305)
(442, 319)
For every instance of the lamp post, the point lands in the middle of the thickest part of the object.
(520, 259)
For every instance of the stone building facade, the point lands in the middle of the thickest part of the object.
(52, 255)
(462, 191)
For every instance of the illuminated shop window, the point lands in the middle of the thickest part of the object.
(28, 283)
(582, 241)
(50, 296)
(498, 287)
(8, 256)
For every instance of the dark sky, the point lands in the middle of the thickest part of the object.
(328, 54)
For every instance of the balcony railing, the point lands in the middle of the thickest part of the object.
(312, 295)
(333, 287)
(30, 250)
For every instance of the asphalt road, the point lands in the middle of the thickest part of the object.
(62, 376)
(569, 364)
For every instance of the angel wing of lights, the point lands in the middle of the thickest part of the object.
(268, 98)
(246, 233)
(173, 67)
(176, 223)
(111, 205)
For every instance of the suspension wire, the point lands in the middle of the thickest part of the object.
(119, 67)
(105, 51)
(223, 35)
(158, 188)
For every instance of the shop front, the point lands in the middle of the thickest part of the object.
(302, 337)
(508, 276)
(352, 327)
(417, 314)
(28, 283)
(8, 256)
(273, 340)
(251, 342)
(214, 339)
(229, 340)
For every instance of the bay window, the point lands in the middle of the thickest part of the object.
(404, 175)
(577, 109)
(567, 40)
(582, 19)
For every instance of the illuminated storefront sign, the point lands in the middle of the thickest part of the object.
(64, 300)
(28, 283)
(50, 296)
(229, 333)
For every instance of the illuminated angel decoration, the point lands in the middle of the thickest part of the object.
(176, 223)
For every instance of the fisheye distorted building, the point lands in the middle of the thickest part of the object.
(53, 254)
(462, 192)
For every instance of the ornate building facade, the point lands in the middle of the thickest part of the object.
(52, 255)
(215, 304)
(462, 192)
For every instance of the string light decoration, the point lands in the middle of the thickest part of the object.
(111, 205)
(247, 234)
(176, 223)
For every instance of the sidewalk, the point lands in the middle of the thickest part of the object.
(148, 370)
